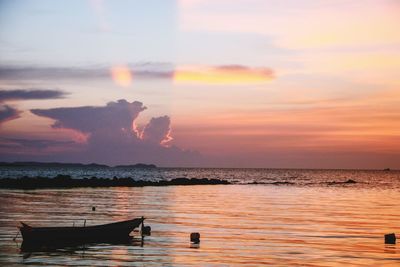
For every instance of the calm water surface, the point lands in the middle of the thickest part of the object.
(239, 224)
(365, 178)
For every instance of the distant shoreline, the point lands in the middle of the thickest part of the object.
(35, 164)
(66, 181)
(73, 165)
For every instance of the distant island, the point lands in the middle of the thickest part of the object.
(137, 166)
(73, 165)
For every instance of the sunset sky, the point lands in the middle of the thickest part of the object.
(201, 83)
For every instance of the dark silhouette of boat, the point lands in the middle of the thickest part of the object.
(111, 232)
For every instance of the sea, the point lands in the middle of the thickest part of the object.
(265, 217)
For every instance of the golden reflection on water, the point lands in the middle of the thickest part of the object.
(239, 225)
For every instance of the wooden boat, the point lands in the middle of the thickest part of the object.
(81, 234)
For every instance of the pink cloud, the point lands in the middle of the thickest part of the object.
(224, 74)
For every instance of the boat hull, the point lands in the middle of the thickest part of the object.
(118, 231)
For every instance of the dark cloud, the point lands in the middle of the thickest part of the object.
(115, 116)
(145, 71)
(26, 94)
(8, 113)
(157, 130)
(140, 71)
(113, 138)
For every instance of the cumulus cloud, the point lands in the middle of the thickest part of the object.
(113, 137)
(26, 94)
(8, 113)
(115, 116)
(157, 131)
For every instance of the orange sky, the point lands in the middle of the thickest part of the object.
(244, 83)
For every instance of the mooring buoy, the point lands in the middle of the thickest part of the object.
(195, 237)
(146, 230)
(390, 238)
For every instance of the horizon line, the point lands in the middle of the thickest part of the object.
(198, 167)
